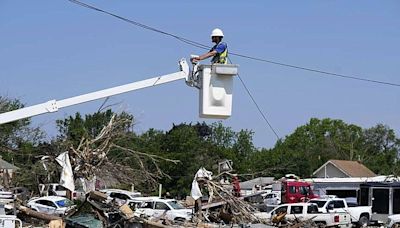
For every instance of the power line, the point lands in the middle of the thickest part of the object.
(193, 43)
(190, 42)
(317, 71)
(258, 107)
(202, 46)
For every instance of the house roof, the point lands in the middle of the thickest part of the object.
(350, 168)
(6, 165)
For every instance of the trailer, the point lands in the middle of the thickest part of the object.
(384, 197)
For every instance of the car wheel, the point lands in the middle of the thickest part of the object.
(320, 224)
(363, 221)
(180, 220)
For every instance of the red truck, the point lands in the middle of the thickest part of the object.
(295, 191)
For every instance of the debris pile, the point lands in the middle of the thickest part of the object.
(222, 205)
(235, 210)
(90, 158)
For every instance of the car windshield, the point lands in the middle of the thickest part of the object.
(176, 205)
(318, 202)
(64, 203)
(135, 195)
(304, 190)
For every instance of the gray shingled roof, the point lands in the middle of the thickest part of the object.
(6, 165)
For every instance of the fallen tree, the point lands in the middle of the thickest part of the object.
(90, 158)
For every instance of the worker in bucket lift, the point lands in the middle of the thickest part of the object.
(219, 51)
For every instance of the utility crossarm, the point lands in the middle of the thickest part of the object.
(54, 105)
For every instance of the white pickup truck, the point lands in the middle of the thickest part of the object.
(393, 221)
(156, 208)
(360, 215)
(305, 211)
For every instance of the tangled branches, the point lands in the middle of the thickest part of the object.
(150, 176)
(242, 211)
(90, 157)
(92, 153)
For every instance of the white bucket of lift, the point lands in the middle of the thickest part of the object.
(216, 90)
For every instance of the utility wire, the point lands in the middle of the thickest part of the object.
(325, 73)
(193, 43)
(206, 47)
(257, 106)
(190, 42)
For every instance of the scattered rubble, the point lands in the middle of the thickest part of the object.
(224, 206)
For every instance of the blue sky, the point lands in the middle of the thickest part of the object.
(56, 49)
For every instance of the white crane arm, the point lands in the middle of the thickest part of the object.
(54, 105)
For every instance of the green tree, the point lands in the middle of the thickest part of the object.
(16, 133)
(381, 150)
(320, 140)
(73, 128)
(311, 145)
(19, 142)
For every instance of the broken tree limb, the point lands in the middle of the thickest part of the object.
(241, 211)
(37, 215)
(96, 195)
(90, 158)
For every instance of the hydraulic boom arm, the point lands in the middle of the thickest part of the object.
(54, 105)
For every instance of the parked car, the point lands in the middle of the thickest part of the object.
(359, 214)
(170, 208)
(56, 205)
(52, 189)
(393, 221)
(256, 200)
(273, 198)
(306, 211)
(138, 201)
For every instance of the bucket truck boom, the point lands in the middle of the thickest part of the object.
(184, 73)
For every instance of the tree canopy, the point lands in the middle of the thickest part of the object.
(200, 144)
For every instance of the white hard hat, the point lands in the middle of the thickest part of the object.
(217, 32)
